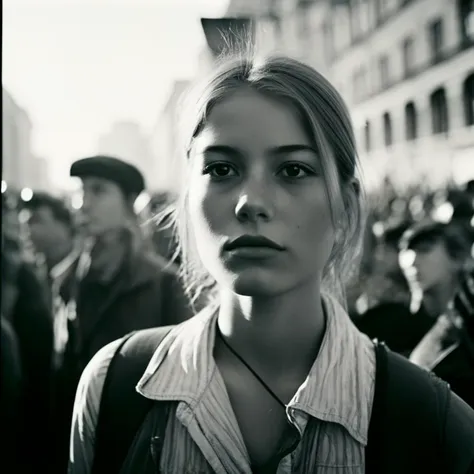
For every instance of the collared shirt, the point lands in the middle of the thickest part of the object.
(59, 271)
(331, 409)
(62, 310)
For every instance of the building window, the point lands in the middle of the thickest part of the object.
(466, 13)
(341, 18)
(436, 39)
(360, 20)
(359, 84)
(387, 129)
(367, 137)
(439, 111)
(304, 21)
(411, 122)
(384, 71)
(364, 15)
(468, 99)
(384, 9)
(355, 86)
(408, 56)
(278, 29)
(328, 41)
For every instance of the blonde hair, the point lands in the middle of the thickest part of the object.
(327, 123)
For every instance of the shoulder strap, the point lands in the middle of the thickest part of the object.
(122, 408)
(407, 422)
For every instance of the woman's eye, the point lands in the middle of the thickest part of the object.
(294, 171)
(219, 170)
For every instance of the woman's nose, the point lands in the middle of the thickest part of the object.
(253, 207)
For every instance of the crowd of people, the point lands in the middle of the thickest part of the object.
(256, 308)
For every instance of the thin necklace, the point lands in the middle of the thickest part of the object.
(242, 360)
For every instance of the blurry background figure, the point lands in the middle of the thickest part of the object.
(391, 319)
(116, 285)
(51, 230)
(11, 394)
(26, 318)
(434, 256)
(448, 348)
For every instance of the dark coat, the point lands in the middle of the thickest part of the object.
(11, 393)
(457, 369)
(144, 294)
(31, 320)
(394, 324)
(402, 330)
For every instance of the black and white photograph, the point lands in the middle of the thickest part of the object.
(237, 237)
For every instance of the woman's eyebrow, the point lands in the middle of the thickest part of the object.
(222, 149)
(279, 150)
(233, 151)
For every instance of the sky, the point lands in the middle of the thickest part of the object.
(78, 66)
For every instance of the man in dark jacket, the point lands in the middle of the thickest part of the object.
(439, 254)
(26, 318)
(118, 284)
(11, 393)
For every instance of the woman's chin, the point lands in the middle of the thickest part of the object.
(256, 285)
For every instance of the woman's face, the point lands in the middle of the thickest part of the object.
(256, 174)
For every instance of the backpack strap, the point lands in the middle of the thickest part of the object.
(408, 417)
(122, 409)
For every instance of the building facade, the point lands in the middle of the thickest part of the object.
(405, 68)
(166, 142)
(20, 167)
(126, 140)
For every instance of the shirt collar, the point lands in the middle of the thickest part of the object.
(340, 385)
(338, 389)
(66, 263)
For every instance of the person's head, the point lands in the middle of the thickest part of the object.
(50, 224)
(11, 244)
(110, 187)
(439, 252)
(270, 152)
(387, 251)
(469, 187)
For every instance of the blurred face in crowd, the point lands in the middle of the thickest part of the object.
(11, 245)
(255, 173)
(11, 260)
(433, 266)
(387, 256)
(104, 206)
(47, 232)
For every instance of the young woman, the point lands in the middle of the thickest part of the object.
(272, 376)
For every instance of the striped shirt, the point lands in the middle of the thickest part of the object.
(331, 409)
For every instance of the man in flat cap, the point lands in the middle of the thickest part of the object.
(118, 284)
(110, 187)
(434, 256)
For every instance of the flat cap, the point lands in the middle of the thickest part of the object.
(457, 233)
(125, 175)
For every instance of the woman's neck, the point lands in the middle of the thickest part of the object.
(275, 335)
